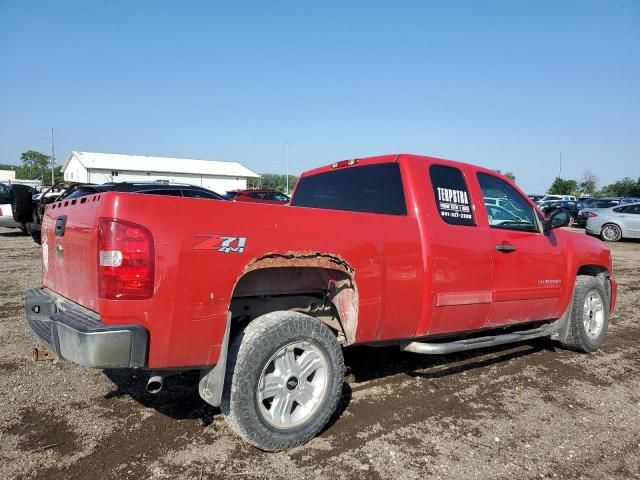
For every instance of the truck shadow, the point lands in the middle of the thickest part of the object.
(368, 363)
(12, 233)
(179, 398)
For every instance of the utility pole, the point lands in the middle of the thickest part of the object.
(53, 156)
(287, 148)
(560, 174)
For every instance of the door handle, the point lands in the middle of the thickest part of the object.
(505, 247)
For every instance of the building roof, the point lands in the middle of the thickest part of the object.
(142, 163)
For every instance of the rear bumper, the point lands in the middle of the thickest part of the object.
(77, 334)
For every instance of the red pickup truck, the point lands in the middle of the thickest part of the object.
(390, 250)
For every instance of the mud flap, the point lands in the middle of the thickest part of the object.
(561, 326)
(211, 383)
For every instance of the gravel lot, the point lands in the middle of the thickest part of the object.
(529, 411)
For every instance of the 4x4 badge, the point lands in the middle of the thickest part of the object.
(222, 244)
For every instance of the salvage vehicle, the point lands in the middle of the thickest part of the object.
(6, 217)
(258, 195)
(614, 224)
(261, 299)
(572, 208)
(600, 204)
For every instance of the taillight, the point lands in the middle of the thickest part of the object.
(126, 260)
(591, 214)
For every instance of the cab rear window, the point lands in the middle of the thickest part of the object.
(368, 189)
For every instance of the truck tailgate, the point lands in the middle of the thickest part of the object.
(69, 251)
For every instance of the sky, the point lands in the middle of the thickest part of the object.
(503, 84)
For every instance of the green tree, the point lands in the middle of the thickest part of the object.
(560, 186)
(509, 175)
(588, 184)
(626, 187)
(35, 165)
(273, 181)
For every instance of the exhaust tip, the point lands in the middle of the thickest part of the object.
(154, 385)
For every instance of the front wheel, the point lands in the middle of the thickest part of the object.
(284, 379)
(589, 315)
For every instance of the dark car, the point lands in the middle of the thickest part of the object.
(571, 207)
(5, 196)
(29, 210)
(588, 201)
(585, 212)
(259, 195)
(535, 198)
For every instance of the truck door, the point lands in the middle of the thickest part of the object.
(528, 265)
(460, 256)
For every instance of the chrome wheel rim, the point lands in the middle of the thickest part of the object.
(292, 385)
(610, 232)
(593, 316)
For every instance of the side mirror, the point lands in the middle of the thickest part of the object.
(557, 218)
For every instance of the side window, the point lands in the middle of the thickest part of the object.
(279, 197)
(193, 193)
(452, 195)
(368, 188)
(259, 195)
(169, 193)
(634, 209)
(515, 213)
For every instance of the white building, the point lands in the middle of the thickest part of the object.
(7, 176)
(99, 168)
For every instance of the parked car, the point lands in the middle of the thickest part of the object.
(389, 250)
(259, 196)
(6, 217)
(29, 208)
(571, 207)
(602, 203)
(555, 198)
(535, 198)
(613, 224)
(587, 202)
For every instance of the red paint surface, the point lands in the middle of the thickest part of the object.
(415, 274)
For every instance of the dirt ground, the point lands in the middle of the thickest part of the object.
(528, 411)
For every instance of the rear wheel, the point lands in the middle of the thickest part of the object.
(284, 379)
(611, 232)
(589, 315)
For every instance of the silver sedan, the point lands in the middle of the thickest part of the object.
(612, 224)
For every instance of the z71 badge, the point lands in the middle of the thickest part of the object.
(222, 244)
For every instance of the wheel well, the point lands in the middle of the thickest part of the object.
(598, 271)
(592, 270)
(327, 294)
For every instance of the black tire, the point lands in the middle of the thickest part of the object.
(610, 232)
(21, 203)
(251, 352)
(36, 236)
(579, 337)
